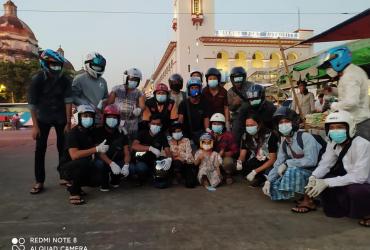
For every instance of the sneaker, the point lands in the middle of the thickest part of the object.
(104, 189)
(115, 185)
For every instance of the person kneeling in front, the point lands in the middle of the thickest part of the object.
(342, 177)
(77, 165)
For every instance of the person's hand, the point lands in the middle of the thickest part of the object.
(115, 168)
(311, 183)
(266, 188)
(239, 165)
(251, 175)
(35, 132)
(102, 147)
(167, 164)
(125, 170)
(281, 169)
(67, 128)
(208, 130)
(320, 185)
(155, 151)
(136, 112)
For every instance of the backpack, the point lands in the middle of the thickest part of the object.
(318, 139)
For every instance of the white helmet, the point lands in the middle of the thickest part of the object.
(341, 116)
(218, 117)
(132, 73)
(84, 108)
(95, 64)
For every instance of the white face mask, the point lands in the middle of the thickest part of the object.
(177, 135)
(56, 67)
(331, 72)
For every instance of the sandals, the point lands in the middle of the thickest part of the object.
(365, 222)
(37, 188)
(66, 183)
(76, 200)
(302, 209)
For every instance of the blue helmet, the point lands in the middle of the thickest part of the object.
(338, 58)
(194, 82)
(52, 62)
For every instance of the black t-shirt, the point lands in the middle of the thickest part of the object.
(272, 143)
(77, 138)
(264, 112)
(198, 112)
(115, 140)
(158, 141)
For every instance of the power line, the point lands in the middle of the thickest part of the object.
(181, 13)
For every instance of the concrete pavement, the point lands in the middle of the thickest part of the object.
(233, 217)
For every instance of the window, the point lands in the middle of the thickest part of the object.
(197, 7)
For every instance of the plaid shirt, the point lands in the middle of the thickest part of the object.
(226, 142)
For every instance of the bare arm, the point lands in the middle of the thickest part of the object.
(111, 98)
(138, 147)
(76, 154)
(267, 164)
(126, 151)
(243, 154)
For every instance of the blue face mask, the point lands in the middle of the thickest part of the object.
(338, 135)
(161, 98)
(285, 128)
(251, 130)
(194, 92)
(155, 129)
(213, 83)
(255, 102)
(132, 84)
(111, 122)
(87, 122)
(217, 128)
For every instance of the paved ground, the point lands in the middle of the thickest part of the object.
(233, 217)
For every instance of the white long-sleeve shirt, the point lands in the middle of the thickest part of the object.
(353, 92)
(356, 162)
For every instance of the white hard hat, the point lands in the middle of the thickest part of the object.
(218, 117)
(133, 73)
(85, 109)
(341, 116)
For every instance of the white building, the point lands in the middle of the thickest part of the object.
(196, 44)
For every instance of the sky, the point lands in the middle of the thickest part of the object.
(139, 40)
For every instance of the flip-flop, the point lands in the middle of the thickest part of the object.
(36, 189)
(211, 189)
(76, 201)
(297, 210)
(365, 222)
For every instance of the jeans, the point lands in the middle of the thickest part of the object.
(41, 145)
(140, 170)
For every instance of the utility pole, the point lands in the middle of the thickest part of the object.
(299, 19)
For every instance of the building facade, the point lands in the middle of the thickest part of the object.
(17, 41)
(196, 44)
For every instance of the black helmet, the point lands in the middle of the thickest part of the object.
(213, 72)
(238, 72)
(256, 91)
(176, 82)
(289, 114)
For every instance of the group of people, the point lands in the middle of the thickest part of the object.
(202, 136)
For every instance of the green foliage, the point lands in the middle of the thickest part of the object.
(16, 77)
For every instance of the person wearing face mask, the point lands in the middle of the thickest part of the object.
(224, 145)
(182, 156)
(193, 112)
(77, 164)
(294, 162)
(90, 87)
(209, 163)
(257, 105)
(197, 74)
(215, 96)
(260, 144)
(236, 96)
(147, 148)
(176, 84)
(162, 106)
(342, 178)
(50, 102)
(116, 160)
(353, 87)
(305, 98)
(130, 101)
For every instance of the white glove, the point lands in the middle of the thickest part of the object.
(334, 106)
(125, 170)
(100, 105)
(136, 112)
(266, 188)
(320, 185)
(208, 130)
(239, 165)
(155, 151)
(102, 148)
(281, 169)
(311, 183)
(115, 168)
(251, 175)
(167, 163)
